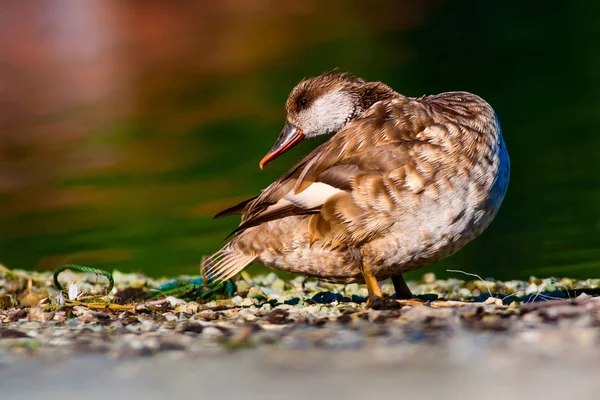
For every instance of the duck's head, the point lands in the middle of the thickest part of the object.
(323, 105)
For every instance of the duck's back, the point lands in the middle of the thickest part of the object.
(447, 188)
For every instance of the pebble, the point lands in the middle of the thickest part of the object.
(533, 288)
(247, 302)
(147, 326)
(169, 316)
(278, 285)
(428, 277)
(211, 331)
(352, 288)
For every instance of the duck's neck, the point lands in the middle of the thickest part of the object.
(374, 92)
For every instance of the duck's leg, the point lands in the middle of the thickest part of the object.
(375, 292)
(401, 288)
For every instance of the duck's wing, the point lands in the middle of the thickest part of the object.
(234, 210)
(377, 164)
(269, 196)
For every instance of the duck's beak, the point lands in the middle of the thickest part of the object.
(288, 138)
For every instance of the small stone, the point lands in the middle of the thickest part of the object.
(32, 297)
(207, 315)
(211, 331)
(192, 327)
(531, 317)
(494, 301)
(188, 308)
(36, 314)
(174, 301)
(270, 279)
(278, 285)
(344, 319)
(294, 301)
(278, 317)
(60, 317)
(242, 286)
(567, 283)
(428, 278)
(223, 303)
(12, 334)
(87, 316)
(147, 326)
(359, 299)
(244, 333)
(247, 302)
(169, 316)
(329, 297)
(73, 323)
(351, 289)
(533, 288)
(6, 302)
(257, 294)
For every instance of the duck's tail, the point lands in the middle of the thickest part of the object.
(225, 263)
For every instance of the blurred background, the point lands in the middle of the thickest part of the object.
(124, 126)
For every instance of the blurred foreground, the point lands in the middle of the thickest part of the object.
(301, 339)
(550, 365)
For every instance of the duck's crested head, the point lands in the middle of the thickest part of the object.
(324, 105)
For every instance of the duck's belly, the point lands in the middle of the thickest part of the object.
(398, 251)
(292, 252)
(403, 251)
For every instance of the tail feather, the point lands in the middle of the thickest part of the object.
(225, 263)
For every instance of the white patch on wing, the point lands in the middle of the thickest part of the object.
(313, 196)
(280, 204)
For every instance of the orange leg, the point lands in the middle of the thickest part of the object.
(372, 284)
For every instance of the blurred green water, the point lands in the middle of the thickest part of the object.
(122, 137)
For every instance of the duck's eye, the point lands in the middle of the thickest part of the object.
(303, 102)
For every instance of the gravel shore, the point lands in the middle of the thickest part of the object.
(299, 338)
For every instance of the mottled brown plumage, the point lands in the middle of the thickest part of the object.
(401, 183)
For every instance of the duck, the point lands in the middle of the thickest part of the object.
(400, 183)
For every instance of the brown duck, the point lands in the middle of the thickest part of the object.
(401, 183)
